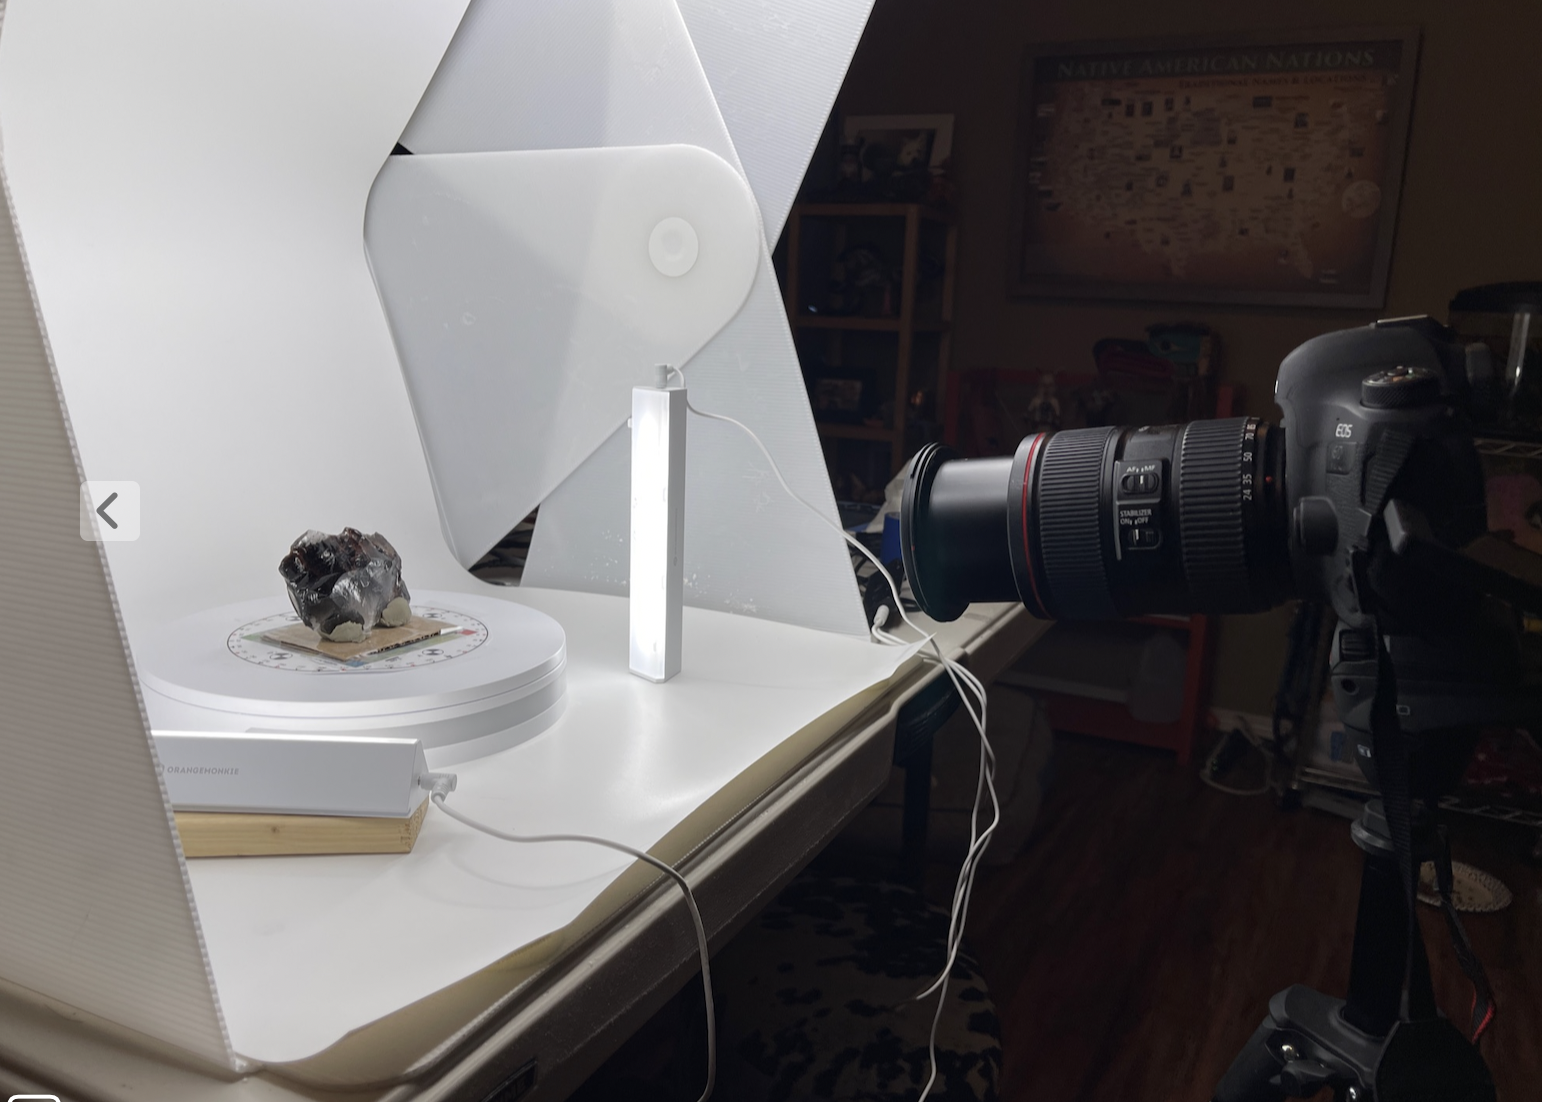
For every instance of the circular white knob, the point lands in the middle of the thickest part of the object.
(673, 246)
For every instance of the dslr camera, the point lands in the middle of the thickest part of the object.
(1368, 496)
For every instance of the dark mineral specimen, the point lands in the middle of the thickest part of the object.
(345, 585)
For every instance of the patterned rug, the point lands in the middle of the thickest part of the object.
(816, 1001)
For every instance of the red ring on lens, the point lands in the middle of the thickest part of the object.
(1034, 449)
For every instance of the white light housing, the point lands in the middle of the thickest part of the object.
(291, 774)
(658, 528)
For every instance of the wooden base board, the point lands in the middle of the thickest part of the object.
(223, 834)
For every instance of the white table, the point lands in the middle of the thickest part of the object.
(552, 1023)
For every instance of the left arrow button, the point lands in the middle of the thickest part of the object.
(101, 510)
(121, 525)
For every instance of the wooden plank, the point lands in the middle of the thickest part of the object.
(222, 834)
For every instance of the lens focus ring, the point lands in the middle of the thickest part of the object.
(1210, 476)
(1070, 516)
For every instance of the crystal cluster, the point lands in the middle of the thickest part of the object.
(346, 585)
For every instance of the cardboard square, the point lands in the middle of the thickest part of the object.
(303, 637)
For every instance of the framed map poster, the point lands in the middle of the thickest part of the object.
(1263, 171)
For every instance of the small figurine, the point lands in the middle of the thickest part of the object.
(1044, 410)
(910, 180)
(869, 281)
(913, 152)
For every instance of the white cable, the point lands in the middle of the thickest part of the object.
(442, 784)
(978, 839)
(439, 789)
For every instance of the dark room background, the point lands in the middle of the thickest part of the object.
(1470, 213)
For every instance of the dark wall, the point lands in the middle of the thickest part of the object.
(1471, 209)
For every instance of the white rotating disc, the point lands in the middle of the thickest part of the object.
(496, 682)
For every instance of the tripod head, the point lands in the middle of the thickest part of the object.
(1449, 619)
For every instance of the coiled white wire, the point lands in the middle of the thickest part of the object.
(438, 796)
(986, 782)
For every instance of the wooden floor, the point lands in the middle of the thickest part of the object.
(1133, 947)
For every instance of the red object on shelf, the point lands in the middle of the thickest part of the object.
(1106, 719)
(1506, 765)
(971, 423)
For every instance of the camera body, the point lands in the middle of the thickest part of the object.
(1373, 414)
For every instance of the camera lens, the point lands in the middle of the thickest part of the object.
(1103, 523)
(967, 500)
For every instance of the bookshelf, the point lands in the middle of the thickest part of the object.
(912, 224)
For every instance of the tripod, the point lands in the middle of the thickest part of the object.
(1362, 1047)
(1386, 1042)
(1432, 655)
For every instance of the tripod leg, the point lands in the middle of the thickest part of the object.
(1380, 954)
(1249, 1077)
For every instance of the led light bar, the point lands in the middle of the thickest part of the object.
(658, 528)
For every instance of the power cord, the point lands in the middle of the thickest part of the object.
(985, 784)
(971, 692)
(440, 785)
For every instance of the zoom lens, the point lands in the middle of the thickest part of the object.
(1104, 523)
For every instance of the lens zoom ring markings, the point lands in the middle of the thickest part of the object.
(1210, 511)
(1069, 518)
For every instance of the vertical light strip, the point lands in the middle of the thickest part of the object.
(658, 529)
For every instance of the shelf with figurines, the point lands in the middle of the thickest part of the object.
(868, 264)
(870, 302)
